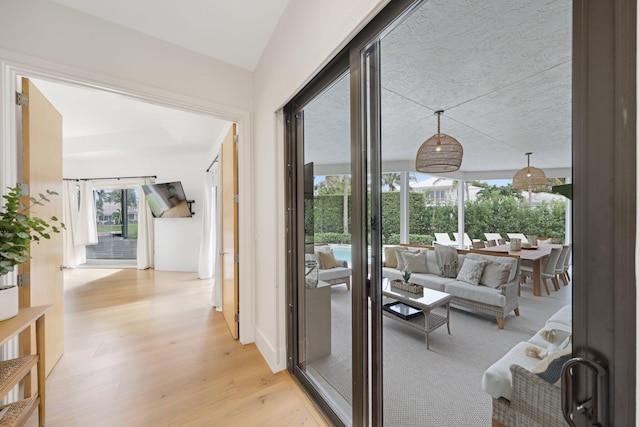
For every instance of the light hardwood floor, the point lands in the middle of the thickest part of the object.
(144, 348)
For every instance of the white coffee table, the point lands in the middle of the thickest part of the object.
(427, 301)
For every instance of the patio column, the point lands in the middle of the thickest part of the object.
(404, 207)
(460, 236)
(567, 218)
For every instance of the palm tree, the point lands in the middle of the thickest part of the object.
(394, 180)
(391, 180)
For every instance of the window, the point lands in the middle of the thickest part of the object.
(117, 223)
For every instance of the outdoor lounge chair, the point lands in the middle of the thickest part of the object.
(522, 237)
(444, 239)
(492, 236)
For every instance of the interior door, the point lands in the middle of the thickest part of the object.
(229, 210)
(41, 171)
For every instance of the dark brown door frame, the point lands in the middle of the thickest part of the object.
(604, 200)
(604, 197)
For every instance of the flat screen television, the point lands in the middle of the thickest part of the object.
(167, 200)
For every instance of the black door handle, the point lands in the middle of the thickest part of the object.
(592, 407)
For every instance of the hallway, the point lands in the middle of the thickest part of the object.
(145, 348)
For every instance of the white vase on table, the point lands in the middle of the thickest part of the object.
(9, 302)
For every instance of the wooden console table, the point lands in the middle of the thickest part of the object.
(14, 370)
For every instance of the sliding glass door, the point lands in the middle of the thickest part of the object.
(117, 224)
(504, 78)
(323, 284)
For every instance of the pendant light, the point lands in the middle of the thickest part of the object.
(529, 178)
(439, 154)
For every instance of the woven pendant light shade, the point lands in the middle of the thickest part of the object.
(529, 178)
(439, 154)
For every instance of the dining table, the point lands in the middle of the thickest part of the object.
(535, 254)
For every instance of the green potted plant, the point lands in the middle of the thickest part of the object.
(18, 227)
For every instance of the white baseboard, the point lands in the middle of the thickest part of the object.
(270, 353)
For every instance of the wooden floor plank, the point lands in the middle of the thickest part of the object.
(145, 348)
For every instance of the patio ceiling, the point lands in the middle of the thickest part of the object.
(501, 71)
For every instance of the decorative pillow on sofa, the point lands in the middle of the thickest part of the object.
(550, 368)
(471, 271)
(327, 259)
(413, 262)
(391, 255)
(495, 274)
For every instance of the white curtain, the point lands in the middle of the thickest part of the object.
(145, 218)
(208, 227)
(145, 230)
(86, 229)
(210, 261)
(74, 253)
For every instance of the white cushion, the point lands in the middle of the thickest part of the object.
(432, 263)
(480, 293)
(513, 262)
(495, 274)
(539, 341)
(334, 273)
(496, 380)
(391, 255)
(413, 262)
(471, 271)
(431, 281)
(561, 319)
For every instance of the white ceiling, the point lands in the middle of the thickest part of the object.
(233, 31)
(501, 70)
(98, 124)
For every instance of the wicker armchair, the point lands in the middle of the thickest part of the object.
(534, 402)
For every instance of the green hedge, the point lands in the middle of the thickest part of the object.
(497, 215)
(338, 238)
(414, 239)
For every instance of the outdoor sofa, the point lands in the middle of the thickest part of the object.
(495, 294)
(524, 388)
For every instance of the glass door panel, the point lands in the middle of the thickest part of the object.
(439, 340)
(117, 224)
(324, 296)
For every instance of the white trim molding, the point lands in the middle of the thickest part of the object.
(13, 65)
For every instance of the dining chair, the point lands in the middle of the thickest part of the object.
(567, 263)
(547, 270)
(560, 265)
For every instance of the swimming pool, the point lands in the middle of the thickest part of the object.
(344, 252)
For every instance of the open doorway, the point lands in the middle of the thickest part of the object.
(110, 140)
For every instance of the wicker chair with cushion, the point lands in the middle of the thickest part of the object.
(525, 389)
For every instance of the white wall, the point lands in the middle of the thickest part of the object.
(41, 38)
(177, 240)
(309, 34)
(45, 29)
